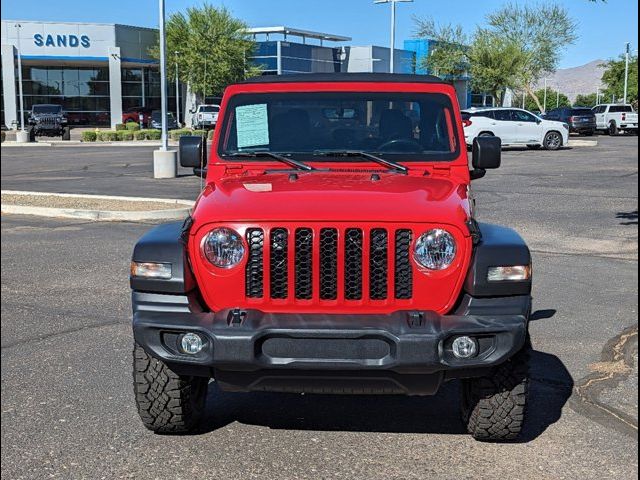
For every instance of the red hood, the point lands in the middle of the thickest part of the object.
(334, 196)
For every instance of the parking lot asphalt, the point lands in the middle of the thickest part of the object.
(67, 402)
(125, 171)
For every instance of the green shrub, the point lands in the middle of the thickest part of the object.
(89, 136)
(198, 133)
(132, 126)
(176, 134)
(140, 135)
(120, 126)
(108, 136)
(125, 135)
(154, 134)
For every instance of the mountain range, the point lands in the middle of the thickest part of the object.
(574, 81)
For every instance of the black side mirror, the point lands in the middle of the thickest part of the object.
(193, 151)
(486, 155)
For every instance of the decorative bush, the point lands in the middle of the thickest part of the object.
(125, 135)
(108, 136)
(89, 136)
(133, 126)
(120, 126)
(140, 135)
(198, 133)
(176, 134)
(154, 134)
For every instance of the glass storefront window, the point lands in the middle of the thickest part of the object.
(82, 91)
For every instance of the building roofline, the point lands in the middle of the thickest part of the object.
(296, 32)
(9, 20)
(345, 77)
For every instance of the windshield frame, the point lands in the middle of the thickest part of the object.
(48, 111)
(411, 95)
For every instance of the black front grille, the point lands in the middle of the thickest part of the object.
(328, 264)
(378, 248)
(403, 271)
(323, 248)
(254, 283)
(279, 279)
(304, 263)
(353, 264)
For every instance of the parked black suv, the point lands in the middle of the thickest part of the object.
(48, 121)
(580, 119)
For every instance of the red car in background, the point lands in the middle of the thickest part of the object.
(133, 114)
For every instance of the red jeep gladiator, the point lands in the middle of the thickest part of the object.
(334, 250)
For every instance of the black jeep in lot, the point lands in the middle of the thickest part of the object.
(48, 121)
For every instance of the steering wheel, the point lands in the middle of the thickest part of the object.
(402, 145)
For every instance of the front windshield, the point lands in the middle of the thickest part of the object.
(47, 109)
(400, 126)
(157, 115)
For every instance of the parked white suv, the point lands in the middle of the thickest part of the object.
(616, 118)
(516, 127)
(205, 116)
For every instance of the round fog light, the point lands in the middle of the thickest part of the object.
(464, 347)
(191, 343)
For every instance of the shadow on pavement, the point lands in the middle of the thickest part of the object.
(551, 387)
(632, 217)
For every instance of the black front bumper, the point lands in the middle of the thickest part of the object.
(404, 352)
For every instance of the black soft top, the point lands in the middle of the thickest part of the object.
(345, 77)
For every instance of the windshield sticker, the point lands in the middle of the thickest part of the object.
(252, 124)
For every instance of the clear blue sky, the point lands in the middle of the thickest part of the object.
(603, 27)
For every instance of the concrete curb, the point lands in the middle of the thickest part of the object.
(78, 143)
(583, 143)
(100, 215)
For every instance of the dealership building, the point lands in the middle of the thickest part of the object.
(97, 71)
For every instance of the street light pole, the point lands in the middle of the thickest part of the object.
(163, 79)
(626, 73)
(18, 27)
(392, 57)
(177, 91)
(165, 161)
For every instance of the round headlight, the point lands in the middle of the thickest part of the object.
(223, 247)
(435, 249)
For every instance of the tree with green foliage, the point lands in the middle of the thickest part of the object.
(449, 54)
(531, 37)
(554, 100)
(589, 100)
(542, 31)
(214, 48)
(613, 78)
(494, 64)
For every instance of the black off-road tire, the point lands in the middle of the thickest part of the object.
(167, 402)
(66, 133)
(613, 129)
(494, 407)
(31, 131)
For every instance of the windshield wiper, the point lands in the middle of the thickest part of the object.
(289, 161)
(391, 165)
